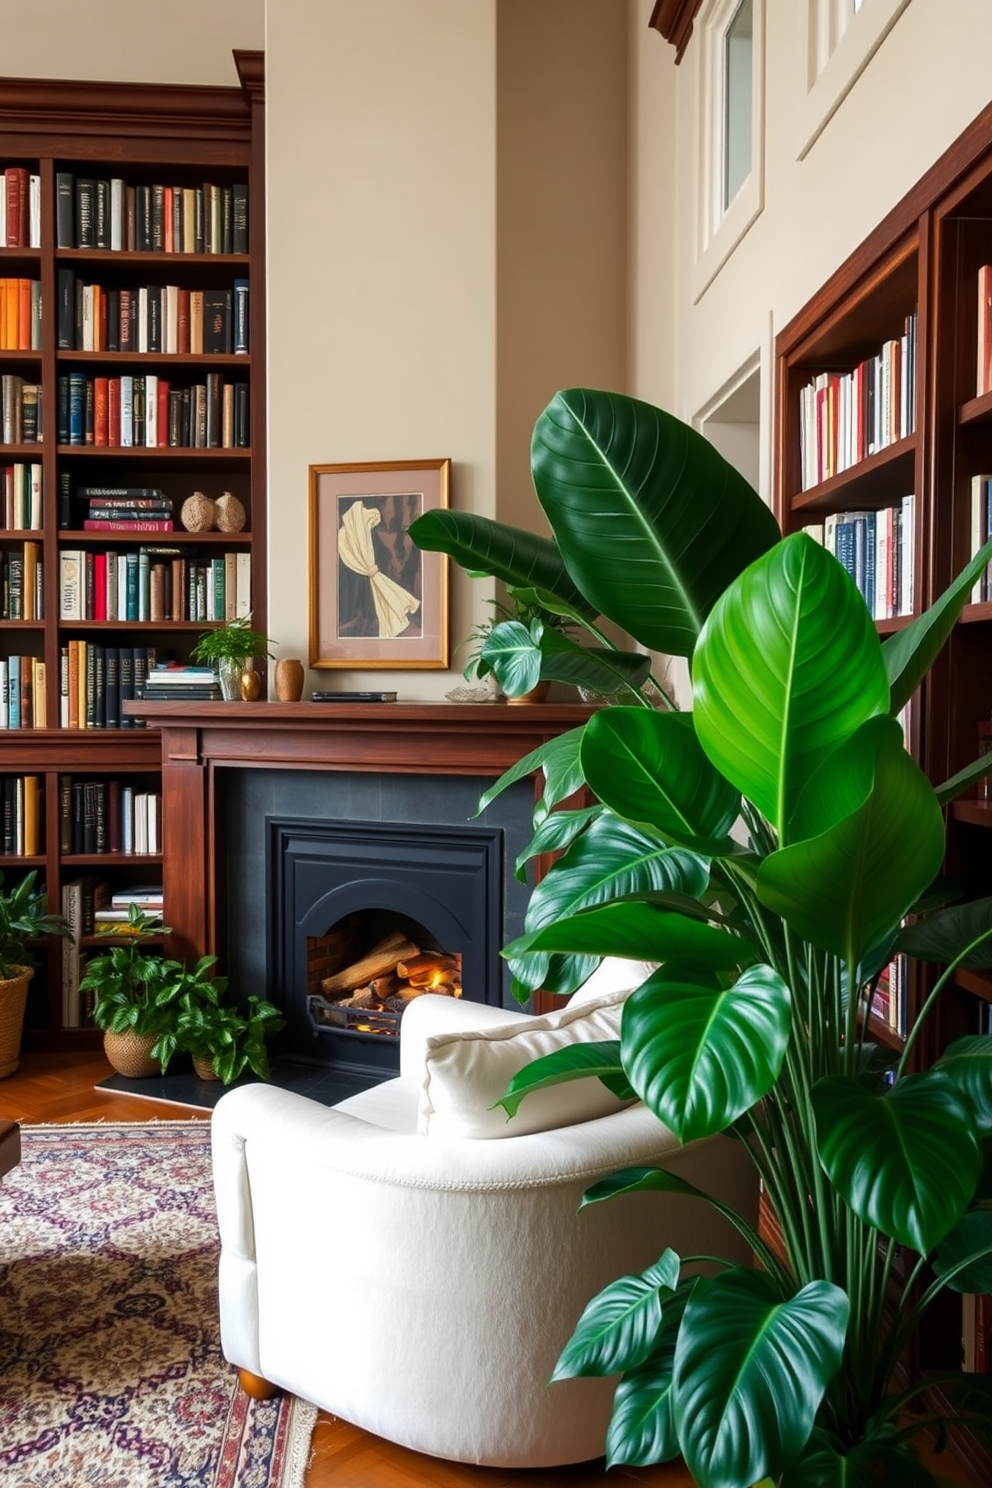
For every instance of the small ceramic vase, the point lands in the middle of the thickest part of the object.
(289, 679)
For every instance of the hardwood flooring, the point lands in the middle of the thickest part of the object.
(60, 1087)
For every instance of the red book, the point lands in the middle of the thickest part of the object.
(101, 413)
(163, 411)
(126, 339)
(100, 319)
(182, 343)
(99, 586)
(167, 226)
(113, 412)
(101, 524)
(16, 181)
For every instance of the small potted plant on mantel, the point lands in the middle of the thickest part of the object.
(233, 648)
(23, 916)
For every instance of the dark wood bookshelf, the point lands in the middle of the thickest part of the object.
(925, 254)
(145, 135)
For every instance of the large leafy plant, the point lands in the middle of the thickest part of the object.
(771, 850)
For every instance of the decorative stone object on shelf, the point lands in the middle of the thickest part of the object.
(229, 514)
(197, 514)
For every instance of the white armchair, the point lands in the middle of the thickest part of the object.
(421, 1284)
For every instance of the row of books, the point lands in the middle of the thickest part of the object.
(96, 213)
(108, 815)
(21, 490)
(981, 531)
(22, 815)
(845, 417)
(889, 1002)
(96, 680)
(20, 314)
(153, 584)
(23, 692)
(20, 208)
(20, 410)
(166, 319)
(147, 412)
(877, 550)
(22, 583)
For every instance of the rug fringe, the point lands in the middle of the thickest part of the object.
(299, 1451)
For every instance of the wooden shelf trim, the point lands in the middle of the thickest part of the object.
(975, 813)
(877, 481)
(147, 358)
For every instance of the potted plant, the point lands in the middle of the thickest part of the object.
(232, 648)
(771, 849)
(137, 992)
(23, 917)
(507, 645)
(223, 1040)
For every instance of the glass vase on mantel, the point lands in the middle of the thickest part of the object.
(231, 674)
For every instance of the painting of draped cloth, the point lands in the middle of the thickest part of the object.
(376, 600)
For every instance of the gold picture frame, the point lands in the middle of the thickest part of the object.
(376, 600)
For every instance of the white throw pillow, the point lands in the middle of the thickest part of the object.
(465, 1073)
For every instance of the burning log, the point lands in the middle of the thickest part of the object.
(419, 969)
(380, 961)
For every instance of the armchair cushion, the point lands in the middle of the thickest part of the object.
(466, 1072)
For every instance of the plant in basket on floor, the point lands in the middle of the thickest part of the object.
(223, 1040)
(24, 917)
(772, 849)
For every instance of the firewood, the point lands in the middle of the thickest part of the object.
(427, 961)
(375, 964)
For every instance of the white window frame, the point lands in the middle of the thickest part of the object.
(718, 232)
(836, 44)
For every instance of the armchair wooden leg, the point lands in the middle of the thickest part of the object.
(255, 1386)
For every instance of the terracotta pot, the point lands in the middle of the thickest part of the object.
(131, 1054)
(289, 679)
(204, 1069)
(537, 694)
(13, 999)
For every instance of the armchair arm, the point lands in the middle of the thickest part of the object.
(432, 1014)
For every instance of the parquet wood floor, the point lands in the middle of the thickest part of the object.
(59, 1087)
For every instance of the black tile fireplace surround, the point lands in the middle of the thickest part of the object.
(305, 848)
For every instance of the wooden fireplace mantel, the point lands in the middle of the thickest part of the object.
(481, 739)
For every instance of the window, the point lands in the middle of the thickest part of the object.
(838, 38)
(730, 90)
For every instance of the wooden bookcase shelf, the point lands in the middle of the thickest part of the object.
(167, 136)
(925, 255)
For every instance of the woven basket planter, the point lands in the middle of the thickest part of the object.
(204, 1069)
(131, 1054)
(13, 998)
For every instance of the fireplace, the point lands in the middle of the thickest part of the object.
(367, 915)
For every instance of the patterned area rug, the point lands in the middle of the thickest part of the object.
(111, 1374)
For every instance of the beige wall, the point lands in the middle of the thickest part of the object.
(134, 41)
(929, 78)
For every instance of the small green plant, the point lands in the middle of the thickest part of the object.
(135, 989)
(231, 1038)
(234, 642)
(512, 633)
(23, 917)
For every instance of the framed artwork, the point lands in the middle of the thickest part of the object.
(375, 599)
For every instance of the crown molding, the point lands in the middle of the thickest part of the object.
(674, 18)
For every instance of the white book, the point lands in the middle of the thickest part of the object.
(154, 820)
(883, 533)
(141, 821)
(122, 587)
(170, 319)
(35, 502)
(116, 213)
(19, 504)
(3, 209)
(127, 412)
(143, 318)
(34, 211)
(64, 687)
(242, 603)
(978, 513)
(907, 574)
(87, 317)
(70, 584)
(151, 411)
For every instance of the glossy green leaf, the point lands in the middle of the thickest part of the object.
(906, 1162)
(611, 858)
(641, 932)
(602, 669)
(618, 1328)
(942, 936)
(788, 666)
(521, 559)
(513, 654)
(649, 767)
(910, 652)
(617, 476)
(872, 1464)
(642, 1427)
(558, 759)
(575, 1062)
(751, 1369)
(699, 1054)
(970, 1241)
(968, 1061)
(977, 770)
(556, 832)
(848, 879)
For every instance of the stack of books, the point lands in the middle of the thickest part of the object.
(172, 683)
(126, 509)
(115, 916)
